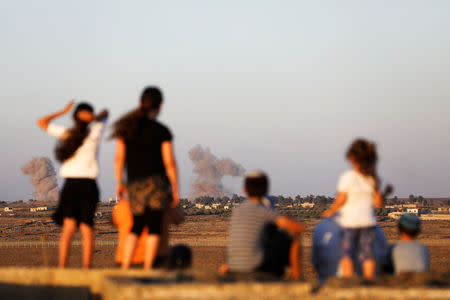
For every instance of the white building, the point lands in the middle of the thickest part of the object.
(198, 205)
(208, 207)
(40, 208)
(413, 211)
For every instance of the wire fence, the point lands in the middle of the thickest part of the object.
(54, 244)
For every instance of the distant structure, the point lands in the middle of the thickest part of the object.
(8, 209)
(38, 209)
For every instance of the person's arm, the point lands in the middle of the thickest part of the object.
(45, 121)
(171, 170)
(294, 228)
(119, 163)
(338, 203)
(378, 199)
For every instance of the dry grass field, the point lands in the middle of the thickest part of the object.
(205, 234)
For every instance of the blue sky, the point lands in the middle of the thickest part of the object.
(282, 86)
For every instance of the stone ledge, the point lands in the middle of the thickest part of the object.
(109, 284)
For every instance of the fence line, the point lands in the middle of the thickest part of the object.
(54, 244)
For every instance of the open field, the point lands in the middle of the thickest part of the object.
(21, 241)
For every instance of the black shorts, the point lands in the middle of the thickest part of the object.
(78, 200)
(152, 219)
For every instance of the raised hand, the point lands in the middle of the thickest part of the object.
(68, 107)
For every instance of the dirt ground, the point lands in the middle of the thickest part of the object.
(206, 234)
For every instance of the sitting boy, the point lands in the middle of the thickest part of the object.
(256, 243)
(409, 255)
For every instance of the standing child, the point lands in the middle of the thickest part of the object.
(358, 196)
(77, 150)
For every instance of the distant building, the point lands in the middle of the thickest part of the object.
(40, 208)
(198, 205)
(414, 211)
(7, 209)
(208, 207)
(308, 205)
(226, 207)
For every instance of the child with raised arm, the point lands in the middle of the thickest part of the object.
(358, 196)
(256, 243)
(77, 150)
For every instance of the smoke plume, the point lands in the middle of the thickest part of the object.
(43, 177)
(210, 170)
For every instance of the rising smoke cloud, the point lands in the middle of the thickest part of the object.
(210, 170)
(43, 177)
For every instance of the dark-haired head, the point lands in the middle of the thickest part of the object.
(256, 184)
(82, 116)
(149, 106)
(151, 99)
(363, 154)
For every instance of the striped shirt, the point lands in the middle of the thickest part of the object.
(245, 248)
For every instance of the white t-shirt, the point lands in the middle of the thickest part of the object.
(358, 210)
(84, 162)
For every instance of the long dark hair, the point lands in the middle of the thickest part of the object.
(128, 125)
(67, 146)
(364, 152)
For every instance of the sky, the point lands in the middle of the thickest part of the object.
(281, 86)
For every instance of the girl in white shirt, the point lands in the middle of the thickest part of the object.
(358, 196)
(77, 150)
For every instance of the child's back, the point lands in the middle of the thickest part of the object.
(410, 257)
(245, 246)
(358, 210)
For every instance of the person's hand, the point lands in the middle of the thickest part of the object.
(68, 107)
(223, 269)
(121, 190)
(102, 115)
(327, 214)
(175, 200)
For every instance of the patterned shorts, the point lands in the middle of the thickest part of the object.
(154, 192)
(361, 239)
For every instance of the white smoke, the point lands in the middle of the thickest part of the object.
(43, 177)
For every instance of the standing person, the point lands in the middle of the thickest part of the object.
(77, 150)
(144, 147)
(358, 196)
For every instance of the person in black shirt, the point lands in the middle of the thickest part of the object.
(144, 148)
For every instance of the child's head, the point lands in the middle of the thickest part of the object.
(84, 113)
(363, 155)
(256, 184)
(409, 225)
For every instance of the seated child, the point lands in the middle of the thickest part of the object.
(409, 255)
(255, 242)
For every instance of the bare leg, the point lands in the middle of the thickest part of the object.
(151, 249)
(368, 268)
(295, 257)
(87, 234)
(130, 246)
(69, 227)
(347, 266)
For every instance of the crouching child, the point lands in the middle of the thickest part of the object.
(260, 239)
